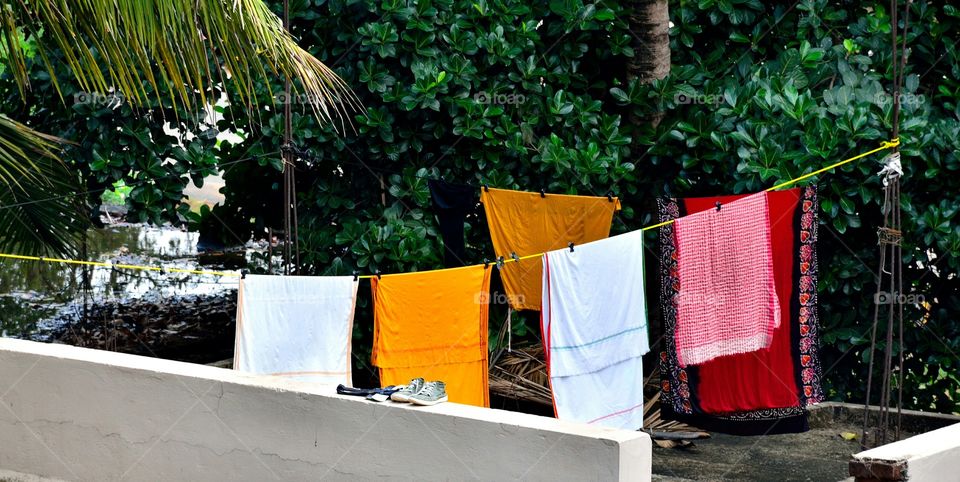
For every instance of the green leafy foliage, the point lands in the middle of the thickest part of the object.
(531, 95)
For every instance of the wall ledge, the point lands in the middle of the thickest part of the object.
(929, 456)
(82, 414)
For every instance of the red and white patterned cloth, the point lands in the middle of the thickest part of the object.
(727, 301)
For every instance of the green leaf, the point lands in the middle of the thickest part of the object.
(850, 46)
(847, 205)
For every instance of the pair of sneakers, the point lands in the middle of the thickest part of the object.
(419, 392)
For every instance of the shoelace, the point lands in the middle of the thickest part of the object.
(432, 389)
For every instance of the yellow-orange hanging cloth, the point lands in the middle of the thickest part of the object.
(527, 223)
(434, 325)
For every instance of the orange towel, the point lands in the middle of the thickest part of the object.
(526, 223)
(434, 325)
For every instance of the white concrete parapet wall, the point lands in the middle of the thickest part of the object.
(929, 456)
(79, 414)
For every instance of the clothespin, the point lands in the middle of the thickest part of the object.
(718, 206)
(243, 274)
(356, 275)
(570, 246)
(543, 193)
(610, 196)
(500, 262)
(486, 187)
(378, 274)
(516, 258)
(163, 270)
(486, 263)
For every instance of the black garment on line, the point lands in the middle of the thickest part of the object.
(452, 203)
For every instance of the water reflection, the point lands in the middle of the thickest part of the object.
(33, 293)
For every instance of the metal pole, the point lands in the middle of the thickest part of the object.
(291, 248)
(873, 332)
(899, 271)
(897, 223)
(295, 231)
(85, 278)
(893, 64)
(890, 236)
(888, 351)
(269, 250)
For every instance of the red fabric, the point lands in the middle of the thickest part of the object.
(727, 303)
(761, 379)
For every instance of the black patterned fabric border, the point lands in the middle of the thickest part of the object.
(674, 386)
(812, 372)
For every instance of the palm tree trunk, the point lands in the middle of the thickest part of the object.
(650, 24)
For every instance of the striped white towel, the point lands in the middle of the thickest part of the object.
(595, 331)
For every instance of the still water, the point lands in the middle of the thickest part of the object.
(33, 295)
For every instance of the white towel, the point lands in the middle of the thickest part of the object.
(296, 327)
(595, 327)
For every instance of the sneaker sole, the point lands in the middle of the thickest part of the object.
(396, 397)
(428, 403)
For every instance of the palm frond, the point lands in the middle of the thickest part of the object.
(40, 213)
(20, 148)
(134, 47)
(137, 48)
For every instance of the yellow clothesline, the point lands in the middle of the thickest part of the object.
(884, 145)
(118, 266)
